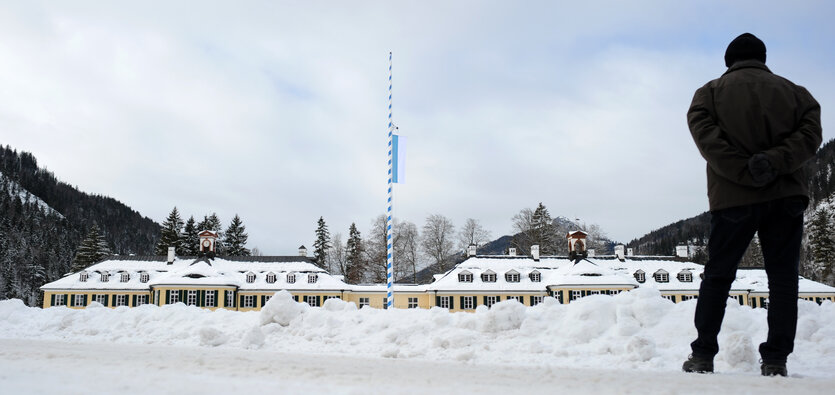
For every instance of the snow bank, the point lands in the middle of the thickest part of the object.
(632, 330)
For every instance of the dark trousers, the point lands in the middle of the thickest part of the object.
(780, 226)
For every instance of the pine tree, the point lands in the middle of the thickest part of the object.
(190, 241)
(543, 231)
(92, 250)
(354, 256)
(821, 242)
(235, 238)
(322, 244)
(170, 234)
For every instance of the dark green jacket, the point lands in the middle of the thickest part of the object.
(749, 110)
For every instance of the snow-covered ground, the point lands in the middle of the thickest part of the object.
(634, 341)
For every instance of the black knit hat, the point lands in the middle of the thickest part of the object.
(746, 46)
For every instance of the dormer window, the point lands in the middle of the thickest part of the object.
(488, 277)
(512, 276)
(465, 277)
(640, 276)
(250, 277)
(105, 277)
(291, 278)
(125, 277)
(685, 276)
(312, 278)
(82, 277)
(270, 278)
(143, 277)
(661, 276)
(535, 276)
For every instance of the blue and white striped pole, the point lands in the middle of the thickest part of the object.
(389, 247)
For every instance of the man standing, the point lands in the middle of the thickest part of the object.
(755, 130)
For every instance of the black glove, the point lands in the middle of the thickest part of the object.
(761, 170)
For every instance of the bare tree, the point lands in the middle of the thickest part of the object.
(437, 241)
(336, 257)
(523, 228)
(406, 252)
(376, 251)
(472, 233)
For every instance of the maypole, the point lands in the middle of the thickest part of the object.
(389, 247)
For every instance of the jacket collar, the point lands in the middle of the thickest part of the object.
(747, 64)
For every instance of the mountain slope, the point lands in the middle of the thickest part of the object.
(42, 221)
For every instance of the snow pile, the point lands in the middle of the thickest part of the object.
(632, 330)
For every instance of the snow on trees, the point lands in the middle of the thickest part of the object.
(322, 244)
(235, 237)
(170, 234)
(93, 249)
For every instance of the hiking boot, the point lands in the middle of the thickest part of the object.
(773, 369)
(695, 364)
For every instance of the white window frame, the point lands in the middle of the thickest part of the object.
(250, 277)
(312, 278)
(488, 277)
(465, 277)
(209, 299)
(249, 301)
(83, 277)
(79, 300)
(101, 298)
(685, 277)
(513, 277)
(173, 296)
(594, 292)
(230, 299)
(535, 277)
(144, 277)
(141, 299)
(59, 300)
(124, 277)
(537, 299)
(520, 299)
(365, 302)
(120, 300)
(576, 294)
(444, 301)
(105, 277)
(310, 300)
(291, 278)
(640, 277)
(413, 303)
(271, 278)
(468, 303)
(662, 277)
(491, 300)
(668, 297)
(191, 297)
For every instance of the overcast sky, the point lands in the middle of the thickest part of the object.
(277, 110)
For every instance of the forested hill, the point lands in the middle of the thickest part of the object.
(695, 230)
(42, 221)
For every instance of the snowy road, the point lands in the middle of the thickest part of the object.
(50, 367)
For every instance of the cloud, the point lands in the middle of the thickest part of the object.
(277, 110)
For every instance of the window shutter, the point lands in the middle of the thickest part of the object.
(241, 303)
(133, 302)
(217, 302)
(52, 300)
(167, 297)
(263, 300)
(84, 300)
(462, 302)
(296, 298)
(451, 302)
(71, 302)
(437, 301)
(182, 296)
(318, 300)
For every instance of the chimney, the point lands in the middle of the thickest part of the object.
(619, 252)
(302, 251)
(630, 252)
(471, 250)
(682, 251)
(591, 252)
(535, 252)
(170, 255)
(511, 251)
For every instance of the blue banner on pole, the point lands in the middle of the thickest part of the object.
(398, 160)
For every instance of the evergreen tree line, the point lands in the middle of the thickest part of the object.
(43, 221)
(183, 235)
